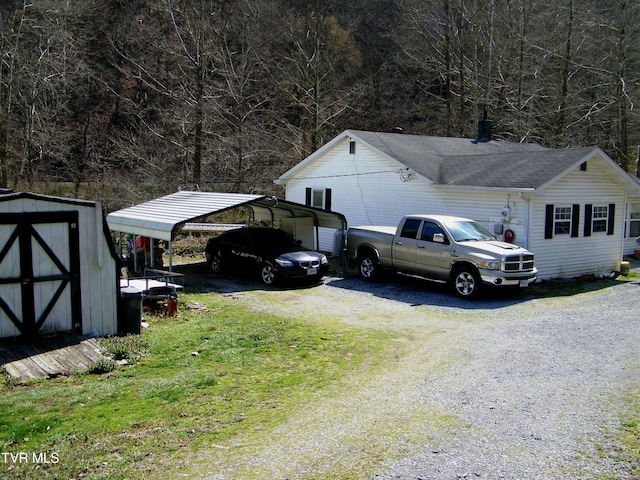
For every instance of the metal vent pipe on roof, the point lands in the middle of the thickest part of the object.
(484, 129)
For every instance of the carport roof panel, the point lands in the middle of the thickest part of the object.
(161, 217)
(278, 209)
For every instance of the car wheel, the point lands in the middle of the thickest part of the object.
(466, 283)
(368, 267)
(267, 273)
(216, 262)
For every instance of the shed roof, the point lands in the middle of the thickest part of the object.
(163, 217)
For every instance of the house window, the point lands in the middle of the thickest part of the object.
(634, 220)
(352, 148)
(318, 198)
(600, 218)
(562, 221)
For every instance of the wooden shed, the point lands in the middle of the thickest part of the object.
(59, 269)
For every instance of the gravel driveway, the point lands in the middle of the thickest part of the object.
(512, 388)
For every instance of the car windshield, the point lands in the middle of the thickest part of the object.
(463, 231)
(273, 238)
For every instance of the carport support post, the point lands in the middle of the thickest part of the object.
(135, 253)
(345, 253)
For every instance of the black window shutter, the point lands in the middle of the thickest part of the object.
(575, 219)
(548, 221)
(307, 200)
(327, 199)
(588, 217)
(612, 219)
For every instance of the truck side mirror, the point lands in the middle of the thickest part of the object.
(438, 237)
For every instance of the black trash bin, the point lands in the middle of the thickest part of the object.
(130, 310)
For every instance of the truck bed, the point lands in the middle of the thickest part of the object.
(379, 237)
(377, 228)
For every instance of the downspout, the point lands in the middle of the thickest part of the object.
(624, 226)
(529, 217)
(345, 253)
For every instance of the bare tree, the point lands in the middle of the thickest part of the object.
(621, 32)
(43, 86)
(12, 25)
(318, 59)
(228, 93)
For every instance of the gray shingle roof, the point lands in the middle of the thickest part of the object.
(509, 170)
(459, 161)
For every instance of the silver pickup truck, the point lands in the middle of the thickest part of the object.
(444, 249)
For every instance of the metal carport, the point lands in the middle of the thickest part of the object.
(162, 218)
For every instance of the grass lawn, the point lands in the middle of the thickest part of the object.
(194, 380)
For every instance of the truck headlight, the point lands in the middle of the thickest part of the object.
(324, 260)
(491, 264)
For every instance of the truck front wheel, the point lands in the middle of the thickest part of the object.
(368, 267)
(466, 282)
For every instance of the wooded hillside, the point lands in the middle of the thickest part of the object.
(121, 100)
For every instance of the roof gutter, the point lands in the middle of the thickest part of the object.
(488, 189)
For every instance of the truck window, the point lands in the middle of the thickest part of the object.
(410, 228)
(429, 229)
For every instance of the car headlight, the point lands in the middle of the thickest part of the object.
(491, 265)
(324, 260)
(283, 262)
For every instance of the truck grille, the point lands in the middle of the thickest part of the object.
(518, 263)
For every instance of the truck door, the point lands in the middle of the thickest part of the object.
(404, 245)
(433, 259)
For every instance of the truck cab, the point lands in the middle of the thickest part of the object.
(442, 248)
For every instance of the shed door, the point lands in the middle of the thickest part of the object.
(39, 273)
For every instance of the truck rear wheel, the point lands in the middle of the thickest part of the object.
(466, 282)
(368, 267)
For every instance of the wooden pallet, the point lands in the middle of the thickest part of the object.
(50, 357)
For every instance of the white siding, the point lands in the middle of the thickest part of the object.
(630, 244)
(485, 207)
(98, 270)
(368, 189)
(564, 256)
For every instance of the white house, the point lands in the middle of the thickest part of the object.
(59, 272)
(575, 208)
(632, 227)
